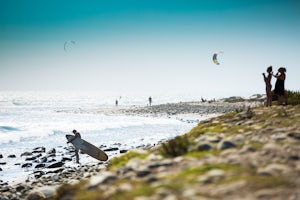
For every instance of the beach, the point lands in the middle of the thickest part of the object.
(53, 166)
(31, 120)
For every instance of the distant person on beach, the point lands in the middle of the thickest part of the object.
(279, 85)
(77, 135)
(150, 100)
(267, 80)
(117, 102)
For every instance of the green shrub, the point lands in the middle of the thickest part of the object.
(175, 147)
(293, 97)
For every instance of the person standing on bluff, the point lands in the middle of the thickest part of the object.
(150, 100)
(279, 85)
(267, 80)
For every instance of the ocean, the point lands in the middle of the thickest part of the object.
(42, 119)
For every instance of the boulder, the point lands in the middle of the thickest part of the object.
(39, 150)
(26, 165)
(226, 145)
(26, 154)
(204, 147)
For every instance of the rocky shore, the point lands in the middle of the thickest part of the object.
(245, 154)
(183, 110)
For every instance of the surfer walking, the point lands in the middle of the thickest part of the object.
(77, 135)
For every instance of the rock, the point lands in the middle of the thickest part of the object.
(213, 139)
(26, 165)
(35, 195)
(19, 188)
(246, 149)
(142, 172)
(162, 163)
(43, 159)
(279, 137)
(294, 157)
(33, 157)
(51, 155)
(52, 160)
(103, 178)
(39, 150)
(26, 154)
(4, 189)
(1, 156)
(12, 156)
(2, 163)
(134, 163)
(56, 170)
(66, 159)
(228, 188)
(40, 165)
(38, 174)
(150, 179)
(112, 149)
(52, 151)
(5, 197)
(225, 145)
(123, 151)
(294, 135)
(125, 187)
(204, 147)
(212, 176)
(274, 169)
(56, 165)
(239, 138)
(73, 182)
(47, 191)
(272, 148)
(244, 114)
(1, 169)
(56, 178)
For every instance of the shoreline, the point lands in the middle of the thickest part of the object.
(193, 109)
(189, 112)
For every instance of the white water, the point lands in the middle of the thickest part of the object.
(34, 119)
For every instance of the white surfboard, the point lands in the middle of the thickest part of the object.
(88, 148)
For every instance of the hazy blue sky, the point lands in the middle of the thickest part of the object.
(148, 46)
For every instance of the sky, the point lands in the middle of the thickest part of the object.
(149, 46)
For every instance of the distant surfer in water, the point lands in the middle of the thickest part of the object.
(77, 135)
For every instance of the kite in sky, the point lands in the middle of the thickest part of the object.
(215, 59)
(67, 44)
